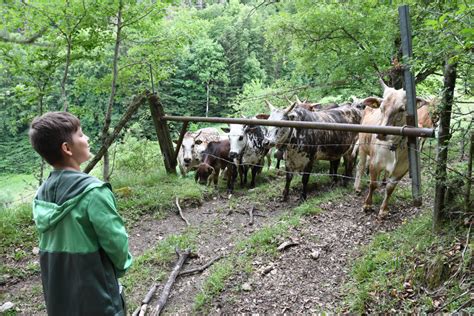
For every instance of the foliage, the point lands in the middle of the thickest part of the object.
(395, 267)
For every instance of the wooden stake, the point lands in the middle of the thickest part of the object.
(182, 256)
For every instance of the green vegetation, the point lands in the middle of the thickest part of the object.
(16, 188)
(396, 266)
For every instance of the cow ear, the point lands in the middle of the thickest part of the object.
(225, 129)
(198, 142)
(373, 102)
(250, 129)
(292, 116)
(262, 116)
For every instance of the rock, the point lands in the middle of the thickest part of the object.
(6, 306)
(246, 287)
(36, 250)
(315, 254)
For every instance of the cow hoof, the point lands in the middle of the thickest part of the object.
(382, 215)
(367, 208)
(358, 191)
(284, 199)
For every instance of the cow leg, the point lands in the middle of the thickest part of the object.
(286, 191)
(255, 170)
(360, 170)
(230, 174)
(372, 187)
(216, 176)
(333, 166)
(391, 184)
(278, 164)
(348, 167)
(305, 179)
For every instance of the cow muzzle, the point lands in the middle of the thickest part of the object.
(381, 136)
(233, 155)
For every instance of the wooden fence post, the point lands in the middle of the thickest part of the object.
(162, 132)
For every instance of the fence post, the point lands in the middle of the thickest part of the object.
(412, 120)
(162, 132)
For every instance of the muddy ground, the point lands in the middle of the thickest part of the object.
(304, 278)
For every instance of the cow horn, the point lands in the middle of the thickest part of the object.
(382, 83)
(289, 101)
(288, 109)
(298, 100)
(272, 108)
(198, 135)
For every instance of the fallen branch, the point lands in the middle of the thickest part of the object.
(181, 212)
(182, 256)
(287, 244)
(141, 310)
(201, 268)
(451, 301)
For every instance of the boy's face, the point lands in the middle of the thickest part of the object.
(80, 146)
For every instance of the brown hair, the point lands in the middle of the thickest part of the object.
(49, 131)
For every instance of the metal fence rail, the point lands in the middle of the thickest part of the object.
(387, 130)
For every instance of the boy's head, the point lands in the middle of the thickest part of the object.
(53, 136)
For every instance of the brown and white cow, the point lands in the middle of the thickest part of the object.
(304, 146)
(194, 143)
(214, 159)
(388, 153)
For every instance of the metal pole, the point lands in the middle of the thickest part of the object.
(412, 119)
(375, 129)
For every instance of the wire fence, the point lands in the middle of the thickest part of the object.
(426, 156)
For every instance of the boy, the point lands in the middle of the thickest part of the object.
(83, 242)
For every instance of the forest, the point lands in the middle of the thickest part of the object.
(229, 59)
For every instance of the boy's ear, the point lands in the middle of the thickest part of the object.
(66, 149)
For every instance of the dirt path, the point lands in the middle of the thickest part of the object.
(305, 278)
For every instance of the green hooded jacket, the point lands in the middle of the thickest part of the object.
(83, 245)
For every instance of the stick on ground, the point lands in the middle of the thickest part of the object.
(181, 212)
(182, 256)
(141, 310)
(201, 268)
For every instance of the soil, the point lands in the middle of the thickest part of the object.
(306, 277)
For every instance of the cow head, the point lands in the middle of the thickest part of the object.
(203, 172)
(188, 147)
(392, 107)
(237, 134)
(277, 135)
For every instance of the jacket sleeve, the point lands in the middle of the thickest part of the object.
(109, 228)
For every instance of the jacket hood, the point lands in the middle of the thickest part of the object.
(47, 214)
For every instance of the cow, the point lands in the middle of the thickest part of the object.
(387, 153)
(194, 143)
(315, 107)
(304, 146)
(214, 159)
(427, 116)
(372, 116)
(247, 149)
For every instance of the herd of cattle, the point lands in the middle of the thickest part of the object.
(245, 147)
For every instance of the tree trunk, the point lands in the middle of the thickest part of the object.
(207, 99)
(108, 115)
(41, 171)
(66, 69)
(442, 146)
(200, 4)
(467, 195)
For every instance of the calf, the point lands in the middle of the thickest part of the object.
(247, 149)
(214, 159)
(304, 146)
(387, 153)
(194, 143)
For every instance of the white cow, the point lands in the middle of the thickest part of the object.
(194, 143)
(387, 153)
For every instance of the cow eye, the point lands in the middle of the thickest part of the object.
(402, 109)
(241, 137)
(192, 146)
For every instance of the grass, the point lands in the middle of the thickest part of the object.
(16, 189)
(152, 266)
(380, 276)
